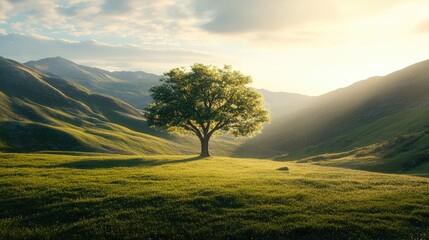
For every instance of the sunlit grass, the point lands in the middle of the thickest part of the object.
(116, 196)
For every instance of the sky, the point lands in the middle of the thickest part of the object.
(302, 46)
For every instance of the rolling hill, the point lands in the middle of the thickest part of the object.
(39, 112)
(131, 87)
(393, 108)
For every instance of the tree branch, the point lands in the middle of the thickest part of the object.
(196, 130)
(228, 102)
(218, 126)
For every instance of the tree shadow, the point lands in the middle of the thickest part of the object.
(113, 163)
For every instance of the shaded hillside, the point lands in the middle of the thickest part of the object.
(282, 103)
(131, 87)
(367, 112)
(38, 112)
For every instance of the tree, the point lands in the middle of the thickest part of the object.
(204, 101)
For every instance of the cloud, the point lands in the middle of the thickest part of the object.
(154, 22)
(116, 7)
(5, 8)
(30, 17)
(422, 27)
(29, 47)
(176, 21)
(193, 24)
(250, 16)
(78, 8)
(259, 15)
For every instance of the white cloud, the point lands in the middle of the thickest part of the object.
(181, 22)
(5, 8)
(302, 24)
(227, 16)
(155, 22)
(243, 16)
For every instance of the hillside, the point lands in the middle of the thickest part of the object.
(39, 112)
(283, 103)
(365, 113)
(131, 87)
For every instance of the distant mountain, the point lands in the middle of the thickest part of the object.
(368, 112)
(39, 112)
(282, 103)
(131, 87)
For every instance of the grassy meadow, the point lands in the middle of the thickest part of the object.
(100, 196)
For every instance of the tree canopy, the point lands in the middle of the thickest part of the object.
(204, 101)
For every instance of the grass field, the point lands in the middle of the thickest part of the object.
(80, 196)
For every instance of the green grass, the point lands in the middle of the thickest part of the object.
(410, 121)
(406, 154)
(101, 196)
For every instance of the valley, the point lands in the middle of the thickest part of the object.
(77, 159)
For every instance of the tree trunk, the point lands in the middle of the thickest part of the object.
(205, 147)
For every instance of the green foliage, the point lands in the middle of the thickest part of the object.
(206, 100)
(99, 196)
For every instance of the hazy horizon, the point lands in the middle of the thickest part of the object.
(286, 46)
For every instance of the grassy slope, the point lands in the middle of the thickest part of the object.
(43, 113)
(346, 127)
(405, 154)
(111, 196)
(396, 144)
(392, 103)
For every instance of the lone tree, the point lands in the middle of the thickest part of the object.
(204, 101)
